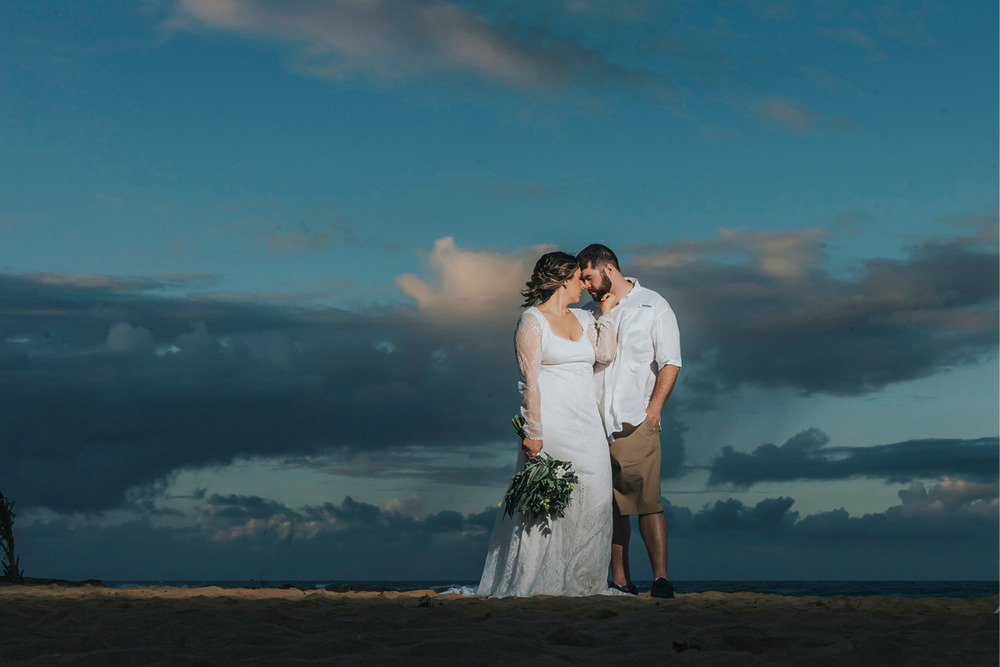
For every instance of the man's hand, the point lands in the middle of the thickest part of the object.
(666, 377)
(531, 448)
(653, 417)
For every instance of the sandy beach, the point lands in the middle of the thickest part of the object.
(96, 625)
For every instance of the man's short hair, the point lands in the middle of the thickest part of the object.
(597, 256)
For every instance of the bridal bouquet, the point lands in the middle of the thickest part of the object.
(543, 487)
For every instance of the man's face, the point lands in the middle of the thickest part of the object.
(596, 282)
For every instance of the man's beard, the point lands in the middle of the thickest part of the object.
(597, 293)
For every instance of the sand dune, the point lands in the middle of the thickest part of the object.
(95, 625)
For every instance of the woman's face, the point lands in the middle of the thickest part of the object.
(574, 286)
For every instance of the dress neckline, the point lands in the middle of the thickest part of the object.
(583, 331)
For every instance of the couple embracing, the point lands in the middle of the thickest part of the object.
(589, 377)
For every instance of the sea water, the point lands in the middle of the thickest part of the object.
(908, 589)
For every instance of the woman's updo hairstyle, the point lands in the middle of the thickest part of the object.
(551, 270)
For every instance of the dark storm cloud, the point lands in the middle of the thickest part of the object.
(759, 308)
(249, 537)
(950, 509)
(917, 539)
(806, 456)
(108, 388)
(73, 313)
(251, 519)
(105, 386)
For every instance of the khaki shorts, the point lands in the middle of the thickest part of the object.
(635, 469)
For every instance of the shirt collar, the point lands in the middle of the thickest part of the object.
(635, 284)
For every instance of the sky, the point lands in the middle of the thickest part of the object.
(260, 264)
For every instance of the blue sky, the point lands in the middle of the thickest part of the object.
(259, 265)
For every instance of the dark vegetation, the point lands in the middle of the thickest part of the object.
(11, 571)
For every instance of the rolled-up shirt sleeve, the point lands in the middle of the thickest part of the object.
(666, 338)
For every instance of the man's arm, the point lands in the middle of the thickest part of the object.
(666, 377)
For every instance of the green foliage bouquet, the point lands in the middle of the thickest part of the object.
(542, 488)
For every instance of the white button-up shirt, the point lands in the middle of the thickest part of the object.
(647, 340)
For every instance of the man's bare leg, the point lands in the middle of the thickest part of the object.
(653, 528)
(620, 534)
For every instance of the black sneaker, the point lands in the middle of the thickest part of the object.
(661, 588)
(627, 588)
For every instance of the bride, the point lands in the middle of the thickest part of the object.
(557, 347)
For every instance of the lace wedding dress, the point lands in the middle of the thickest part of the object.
(567, 556)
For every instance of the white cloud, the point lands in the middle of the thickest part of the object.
(472, 286)
(387, 38)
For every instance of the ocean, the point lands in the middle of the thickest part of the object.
(906, 589)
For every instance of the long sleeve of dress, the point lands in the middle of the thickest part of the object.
(528, 342)
(603, 337)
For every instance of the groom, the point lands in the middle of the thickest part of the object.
(632, 391)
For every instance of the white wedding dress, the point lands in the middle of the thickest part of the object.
(567, 556)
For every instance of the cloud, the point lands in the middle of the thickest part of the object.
(805, 456)
(472, 286)
(417, 463)
(591, 52)
(829, 83)
(906, 21)
(761, 309)
(773, 254)
(126, 387)
(902, 21)
(103, 382)
(227, 518)
(238, 537)
(920, 514)
(392, 40)
(283, 243)
(954, 509)
(279, 245)
(92, 281)
(103, 379)
(123, 337)
(948, 496)
(917, 539)
(732, 516)
(785, 112)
